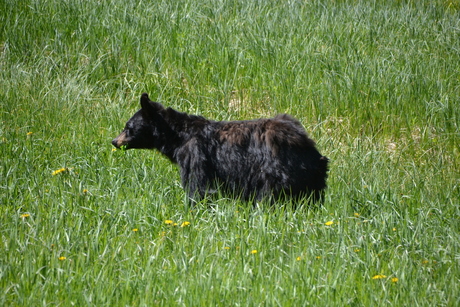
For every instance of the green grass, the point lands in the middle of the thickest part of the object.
(375, 83)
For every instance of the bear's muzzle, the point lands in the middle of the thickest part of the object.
(120, 140)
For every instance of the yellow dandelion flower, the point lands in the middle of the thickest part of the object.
(357, 250)
(135, 229)
(61, 170)
(184, 224)
(175, 224)
(62, 258)
(394, 279)
(227, 247)
(329, 223)
(58, 171)
(394, 228)
(379, 276)
(169, 222)
(29, 133)
(318, 257)
(356, 214)
(23, 216)
(85, 191)
(254, 251)
(114, 149)
(298, 258)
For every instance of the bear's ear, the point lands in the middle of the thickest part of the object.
(148, 106)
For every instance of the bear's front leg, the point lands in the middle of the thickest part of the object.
(196, 175)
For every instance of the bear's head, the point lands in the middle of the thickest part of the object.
(144, 129)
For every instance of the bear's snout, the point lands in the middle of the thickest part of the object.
(120, 140)
(115, 143)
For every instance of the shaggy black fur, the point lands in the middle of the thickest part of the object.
(252, 159)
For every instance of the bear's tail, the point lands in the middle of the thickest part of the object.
(324, 165)
(320, 180)
(321, 173)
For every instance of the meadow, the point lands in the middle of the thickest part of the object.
(375, 83)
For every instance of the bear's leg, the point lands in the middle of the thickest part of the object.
(197, 182)
(196, 175)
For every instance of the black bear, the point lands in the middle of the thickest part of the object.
(252, 159)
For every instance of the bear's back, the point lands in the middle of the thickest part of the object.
(273, 133)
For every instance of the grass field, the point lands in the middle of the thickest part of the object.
(375, 83)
